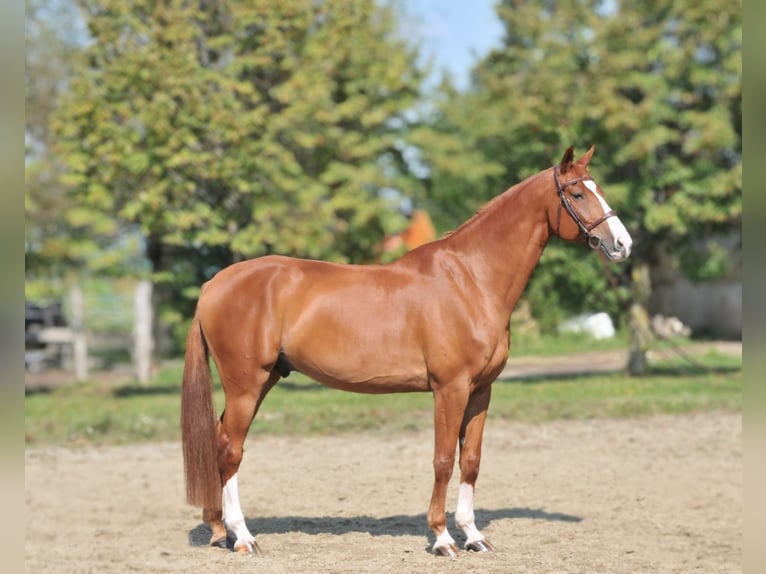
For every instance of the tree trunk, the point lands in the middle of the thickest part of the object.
(162, 333)
(640, 331)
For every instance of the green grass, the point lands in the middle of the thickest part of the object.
(564, 343)
(671, 388)
(91, 413)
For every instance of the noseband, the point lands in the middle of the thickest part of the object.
(593, 241)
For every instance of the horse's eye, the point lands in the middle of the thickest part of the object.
(577, 195)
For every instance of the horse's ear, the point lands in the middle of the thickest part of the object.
(566, 161)
(585, 159)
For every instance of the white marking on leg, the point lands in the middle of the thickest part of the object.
(464, 514)
(616, 228)
(444, 539)
(232, 513)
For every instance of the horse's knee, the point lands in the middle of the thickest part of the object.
(443, 466)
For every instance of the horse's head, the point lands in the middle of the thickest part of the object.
(581, 213)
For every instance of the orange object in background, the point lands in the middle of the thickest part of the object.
(420, 230)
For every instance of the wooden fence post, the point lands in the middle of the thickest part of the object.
(142, 331)
(80, 341)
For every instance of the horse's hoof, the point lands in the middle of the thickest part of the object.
(448, 550)
(220, 543)
(480, 546)
(248, 548)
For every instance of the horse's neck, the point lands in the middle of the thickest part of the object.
(503, 242)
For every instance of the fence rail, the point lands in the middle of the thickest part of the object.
(74, 343)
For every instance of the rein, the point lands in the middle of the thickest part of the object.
(593, 241)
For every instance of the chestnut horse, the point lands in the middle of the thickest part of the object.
(436, 320)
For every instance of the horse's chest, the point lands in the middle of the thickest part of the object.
(480, 359)
(495, 361)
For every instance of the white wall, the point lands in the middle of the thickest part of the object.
(711, 306)
(714, 306)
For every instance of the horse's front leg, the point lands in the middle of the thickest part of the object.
(449, 406)
(471, 435)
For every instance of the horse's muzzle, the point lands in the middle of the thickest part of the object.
(619, 251)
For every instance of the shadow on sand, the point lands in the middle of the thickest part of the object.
(398, 525)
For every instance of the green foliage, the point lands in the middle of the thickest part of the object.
(108, 304)
(241, 127)
(656, 85)
(566, 282)
(228, 130)
(44, 291)
(707, 261)
(679, 117)
(51, 50)
(108, 300)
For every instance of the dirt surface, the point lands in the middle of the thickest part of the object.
(660, 494)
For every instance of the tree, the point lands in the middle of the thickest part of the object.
(674, 127)
(228, 130)
(51, 50)
(527, 103)
(656, 85)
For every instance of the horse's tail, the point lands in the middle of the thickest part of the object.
(198, 424)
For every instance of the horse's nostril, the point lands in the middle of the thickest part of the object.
(618, 241)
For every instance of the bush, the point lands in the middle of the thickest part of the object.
(569, 280)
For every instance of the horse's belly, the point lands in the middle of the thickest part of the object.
(378, 384)
(360, 372)
(356, 344)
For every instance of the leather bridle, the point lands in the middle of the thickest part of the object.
(593, 241)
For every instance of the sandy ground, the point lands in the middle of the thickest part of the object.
(661, 494)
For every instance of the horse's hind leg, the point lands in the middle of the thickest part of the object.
(241, 406)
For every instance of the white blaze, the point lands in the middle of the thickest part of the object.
(616, 227)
